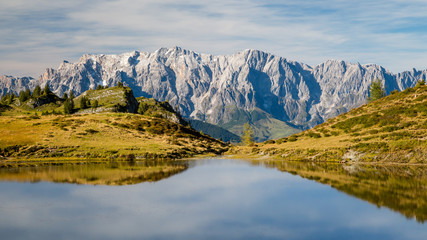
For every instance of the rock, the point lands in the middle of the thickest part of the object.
(211, 88)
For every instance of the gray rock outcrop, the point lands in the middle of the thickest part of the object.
(209, 88)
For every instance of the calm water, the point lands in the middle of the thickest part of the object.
(212, 199)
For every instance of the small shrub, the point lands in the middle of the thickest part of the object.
(405, 144)
(292, 138)
(313, 135)
(335, 133)
(390, 128)
(373, 131)
(91, 131)
(374, 146)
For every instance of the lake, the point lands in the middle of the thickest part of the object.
(214, 199)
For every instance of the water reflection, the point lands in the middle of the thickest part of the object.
(97, 173)
(400, 188)
(215, 199)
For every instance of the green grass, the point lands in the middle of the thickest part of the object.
(100, 135)
(391, 129)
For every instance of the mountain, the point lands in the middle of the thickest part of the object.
(214, 131)
(16, 84)
(392, 129)
(212, 88)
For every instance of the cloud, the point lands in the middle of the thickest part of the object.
(42, 33)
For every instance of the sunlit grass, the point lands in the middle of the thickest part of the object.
(105, 135)
(391, 129)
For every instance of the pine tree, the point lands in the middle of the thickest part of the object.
(68, 106)
(27, 94)
(3, 99)
(6, 99)
(95, 104)
(11, 98)
(21, 96)
(71, 94)
(46, 90)
(420, 83)
(65, 96)
(37, 91)
(376, 91)
(248, 135)
(24, 95)
(83, 103)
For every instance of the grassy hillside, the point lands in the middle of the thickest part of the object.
(112, 99)
(104, 135)
(108, 129)
(264, 125)
(391, 129)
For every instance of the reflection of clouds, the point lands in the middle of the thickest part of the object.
(220, 199)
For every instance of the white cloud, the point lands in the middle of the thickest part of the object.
(310, 31)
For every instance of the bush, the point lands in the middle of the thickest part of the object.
(313, 135)
(376, 90)
(292, 138)
(394, 92)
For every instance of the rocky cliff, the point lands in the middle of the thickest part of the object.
(211, 88)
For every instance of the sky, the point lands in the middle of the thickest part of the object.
(40, 34)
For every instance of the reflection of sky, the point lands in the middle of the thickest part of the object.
(218, 200)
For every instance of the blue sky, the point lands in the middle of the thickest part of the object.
(36, 34)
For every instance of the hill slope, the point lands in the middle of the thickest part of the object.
(391, 129)
(155, 133)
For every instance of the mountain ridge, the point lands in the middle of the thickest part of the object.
(201, 86)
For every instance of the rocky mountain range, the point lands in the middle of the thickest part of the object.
(212, 88)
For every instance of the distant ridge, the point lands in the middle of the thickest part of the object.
(203, 86)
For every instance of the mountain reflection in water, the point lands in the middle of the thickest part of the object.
(101, 173)
(400, 188)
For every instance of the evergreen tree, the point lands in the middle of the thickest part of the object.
(376, 91)
(28, 93)
(24, 95)
(71, 94)
(95, 104)
(119, 84)
(11, 98)
(65, 96)
(68, 106)
(83, 103)
(21, 96)
(99, 87)
(420, 83)
(37, 91)
(248, 135)
(46, 90)
(4, 99)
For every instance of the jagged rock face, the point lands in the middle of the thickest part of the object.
(16, 84)
(208, 87)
